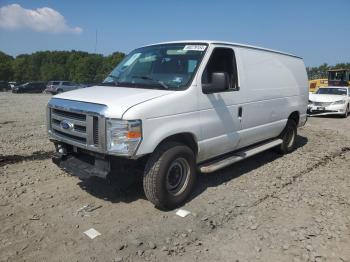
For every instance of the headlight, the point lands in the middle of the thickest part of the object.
(310, 102)
(123, 137)
(340, 102)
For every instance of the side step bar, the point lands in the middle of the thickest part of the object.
(238, 156)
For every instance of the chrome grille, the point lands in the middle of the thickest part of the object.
(70, 115)
(78, 130)
(322, 103)
(95, 130)
(77, 123)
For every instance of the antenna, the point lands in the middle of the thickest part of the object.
(96, 41)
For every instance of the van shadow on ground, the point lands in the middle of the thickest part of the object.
(114, 192)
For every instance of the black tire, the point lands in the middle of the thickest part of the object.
(346, 112)
(59, 91)
(288, 136)
(162, 171)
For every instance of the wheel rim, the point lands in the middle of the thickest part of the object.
(177, 176)
(290, 137)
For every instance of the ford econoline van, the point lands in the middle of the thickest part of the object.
(176, 109)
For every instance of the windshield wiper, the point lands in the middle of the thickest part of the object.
(108, 84)
(152, 79)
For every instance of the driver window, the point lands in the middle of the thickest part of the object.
(222, 60)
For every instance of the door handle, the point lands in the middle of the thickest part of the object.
(240, 111)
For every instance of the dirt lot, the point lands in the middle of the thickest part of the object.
(268, 208)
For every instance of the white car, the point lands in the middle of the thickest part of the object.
(331, 100)
(170, 110)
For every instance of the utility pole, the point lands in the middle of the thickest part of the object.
(96, 41)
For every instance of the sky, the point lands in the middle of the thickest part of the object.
(317, 30)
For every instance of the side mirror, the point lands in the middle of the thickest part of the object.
(219, 83)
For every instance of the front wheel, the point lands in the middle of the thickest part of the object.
(288, 136)
(169, 175)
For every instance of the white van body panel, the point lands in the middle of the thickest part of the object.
(272, 86)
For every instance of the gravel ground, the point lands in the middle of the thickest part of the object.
(267, 208)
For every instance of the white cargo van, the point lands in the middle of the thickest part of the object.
(176, 109)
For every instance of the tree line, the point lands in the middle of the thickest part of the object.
(321, 71)
(77, 66)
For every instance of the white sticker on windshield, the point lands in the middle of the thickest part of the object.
(132, 59)
(195, 47)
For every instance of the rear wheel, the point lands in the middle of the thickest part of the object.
(169, 175)
(288, 136)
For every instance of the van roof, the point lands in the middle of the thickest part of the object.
(213, 42)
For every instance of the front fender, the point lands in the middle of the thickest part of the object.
(156, 130)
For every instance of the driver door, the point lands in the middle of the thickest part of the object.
(219, 112)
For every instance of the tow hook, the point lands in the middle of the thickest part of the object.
(60, 154)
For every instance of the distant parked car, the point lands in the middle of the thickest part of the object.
(4, 86)
(55, 87)
(12, 84)
(29, 87)
(331, 100)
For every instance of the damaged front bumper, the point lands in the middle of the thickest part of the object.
(84, 164)
(81, 163)
(313, 110)
(78, 167)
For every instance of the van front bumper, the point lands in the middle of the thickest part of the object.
(82, 166)
(84, 163)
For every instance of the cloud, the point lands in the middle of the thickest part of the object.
(40, 20)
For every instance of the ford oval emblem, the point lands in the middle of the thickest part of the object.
(66, 124)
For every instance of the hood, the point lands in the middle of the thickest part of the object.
(325, 98)
(117, 99)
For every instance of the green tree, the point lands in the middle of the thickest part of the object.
(19, 67)
(6, 70)
(72, 65)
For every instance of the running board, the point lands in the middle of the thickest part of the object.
(238, 156)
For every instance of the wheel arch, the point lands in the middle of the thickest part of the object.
(295, 116)
(185, 138)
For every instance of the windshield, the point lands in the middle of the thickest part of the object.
(168, 66)
(332, 91)
(336, 75)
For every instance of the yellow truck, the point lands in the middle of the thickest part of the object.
(336, 77)
(315, 84)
